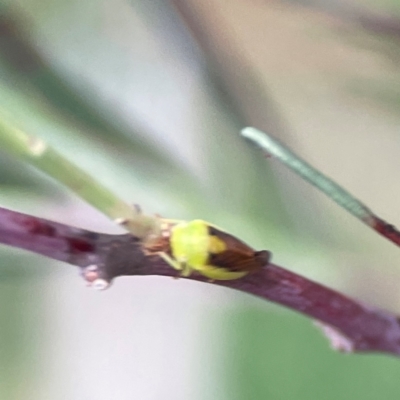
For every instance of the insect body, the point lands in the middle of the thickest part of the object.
(199, 246)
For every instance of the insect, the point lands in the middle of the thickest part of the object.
(199, 246)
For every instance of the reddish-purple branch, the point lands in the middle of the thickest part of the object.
(388, 231)
(51, 239)
(350, 325)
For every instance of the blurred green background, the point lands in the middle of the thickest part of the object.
(149, 97)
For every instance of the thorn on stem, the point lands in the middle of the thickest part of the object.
(92, 276)
(90, 273)
(100, 284)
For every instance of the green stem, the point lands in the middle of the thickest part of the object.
(39, 154)
(342, 197)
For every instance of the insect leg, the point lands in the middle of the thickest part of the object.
(186, 269)
(179, 265)
(171, 261)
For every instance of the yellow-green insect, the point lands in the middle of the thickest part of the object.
(204, 248)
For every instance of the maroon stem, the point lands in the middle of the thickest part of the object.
(350, 325)
(48, 238)
(358, 327)
(388, 231)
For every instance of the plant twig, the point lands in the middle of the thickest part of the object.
(43, 157)
(272, 147)
(350, 325)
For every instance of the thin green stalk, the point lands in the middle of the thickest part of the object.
(341, 196)
(39, 154)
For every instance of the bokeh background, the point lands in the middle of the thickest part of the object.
(149, 97)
